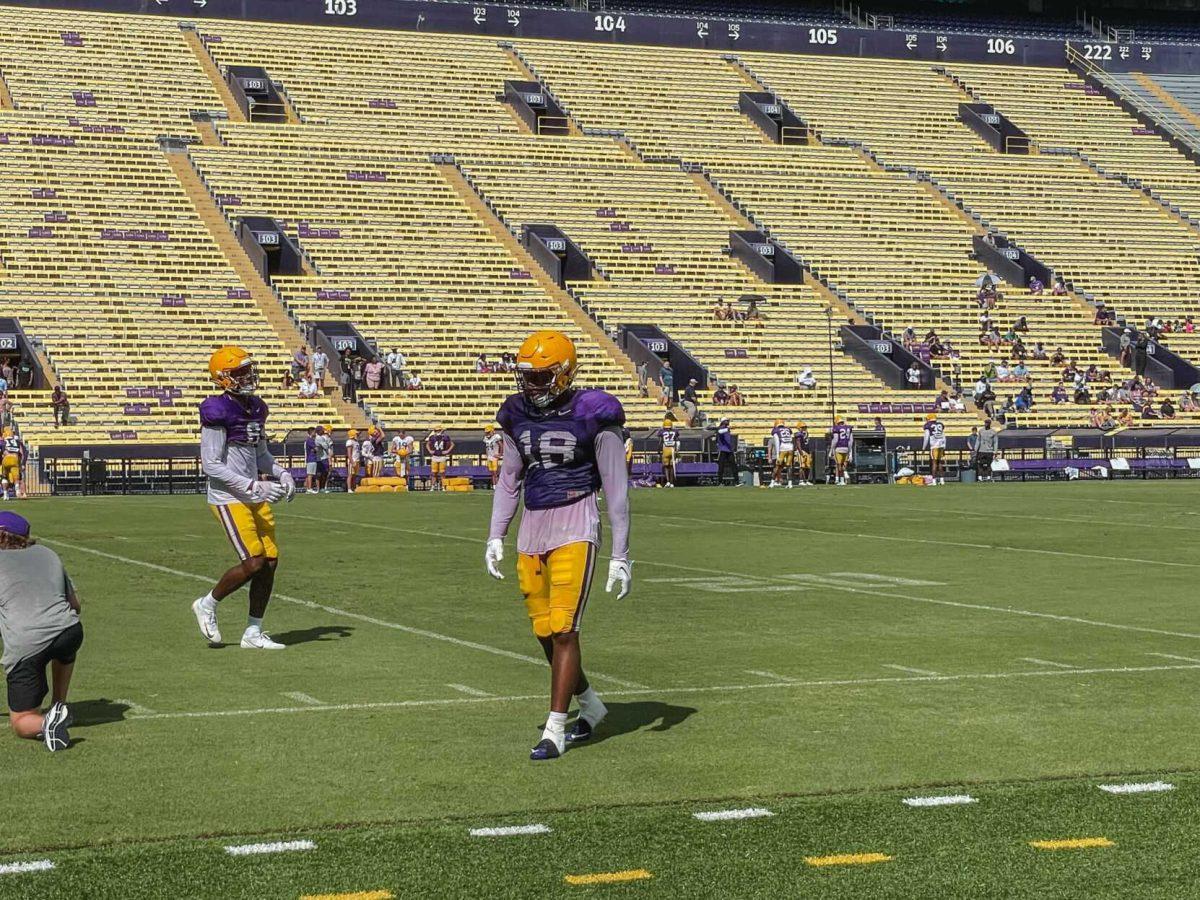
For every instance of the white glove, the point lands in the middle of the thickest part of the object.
(289, 485)
(620, 572)
(493, 556)
(266, 492)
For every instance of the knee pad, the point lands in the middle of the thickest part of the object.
(560, 620)
(541, 625)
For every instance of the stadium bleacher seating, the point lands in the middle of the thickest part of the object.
(422, 255)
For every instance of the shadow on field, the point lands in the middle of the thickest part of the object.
(96, 712)
(625, 718)
(319, 633)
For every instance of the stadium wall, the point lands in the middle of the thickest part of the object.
(712, 33)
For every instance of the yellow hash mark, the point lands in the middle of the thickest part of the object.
(1072, 843)
(847, 859)
(608, 877)
(358, 895)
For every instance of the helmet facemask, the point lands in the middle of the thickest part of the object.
(542, 387)
(243, 379)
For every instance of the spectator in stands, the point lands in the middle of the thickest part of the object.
(373, 374)
(1125, 348)
(981, 388)
(1060, 287)
(1059, 394)
(481, 364)
(308, 388)
(666, 380)
(357, 366)
(877, 425)
(300, 362)
(1018, 350)
(718, 311)
(395, 368)
(320, 362)
(731, 315)
(287, 382)
(508, 361)
(720, 396)
(1010, 336)
(1020, 372)
(1125, 419)
(1149, 412)
(1039, 352)
(414, 381)
(643, 377)
(25, 373)
(1107, 419)
(1021, 325)
(690, 402)
(1094, 417)
(991, 337)
(1167, 409)
(912, 376)
(908, 337)
(1058, 357)
(1104, 315)
(1023, 402)
(1036, 286)
(1187, 402)
(61, 405)
(943, 401)
(1141, 354)
(735, 396)
(1189, 327)
(7, 372)
(806, 379)
(752, 312)
(1003, 372)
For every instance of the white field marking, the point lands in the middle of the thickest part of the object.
(474, 692)
(1047, 662)
(301, 697)
(37, 865)
(272, 847)
(508, 830)
(945, 800)
(990, 515)
(724, 815)
(333, 610)
(136, 708)
(1144, 787)
(908, 669)
(934, 541)
(729, 584)
(772, 676)
(1175, 656)
(886, 579)
(837, 587)
(705, 689)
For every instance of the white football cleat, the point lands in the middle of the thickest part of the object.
(259, 640)
(207, 622)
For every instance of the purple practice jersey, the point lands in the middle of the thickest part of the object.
(840, 435)
(558, 445)
(438, 444)
(244, 420)
(802, 441)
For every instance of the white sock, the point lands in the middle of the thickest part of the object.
(556, 729)
(208, 603)
(591, 707)
(253, 624)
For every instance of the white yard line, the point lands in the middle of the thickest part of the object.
(1046, 662)
(911, 669)
(944, 800)
(271, 847)
(941, 510)
(301, 697)
(466, 689)
(510, 830)
(1192, 659)
(771, 676)
(136, 708)
(1145, 787)
(655, 692)
(333, 610)
(17, 868)
(725, 815)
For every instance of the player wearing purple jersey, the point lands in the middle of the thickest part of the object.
(563, 445)
(841, 444)
(234, 455)
(439, 446)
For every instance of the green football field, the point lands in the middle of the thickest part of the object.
(818, 654)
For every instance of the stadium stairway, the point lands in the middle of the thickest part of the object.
(1166, 97)
(341, 411)
(6, 100)
(209, 66)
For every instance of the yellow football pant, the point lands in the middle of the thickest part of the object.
(556, 586)
(249, 527)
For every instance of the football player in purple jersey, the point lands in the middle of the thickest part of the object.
(841, 444)
(234, 454)
(562, 445)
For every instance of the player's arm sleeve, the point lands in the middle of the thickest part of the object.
(507, 494)
(925, 441)
(610, 459)
(266, 462)
(212, 453)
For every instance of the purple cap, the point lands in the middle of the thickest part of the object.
(14, 524)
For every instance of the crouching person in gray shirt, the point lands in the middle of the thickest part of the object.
(39, 625)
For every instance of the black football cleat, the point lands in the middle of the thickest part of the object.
(545, 749)
(580, 731)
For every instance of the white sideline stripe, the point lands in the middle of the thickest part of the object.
(773, 676)
(1046, 662)
(333, 610)
(934, 541)
(722, 815)
(1174, 656)
(300, 697)
(474, 692)
(272, 847)
(37, 865)
(1143, 787)
(945, 800)
(908, 669)
(508, 830)
(836, 587)
(709, 689)
(135, 708)
(1086, 520)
